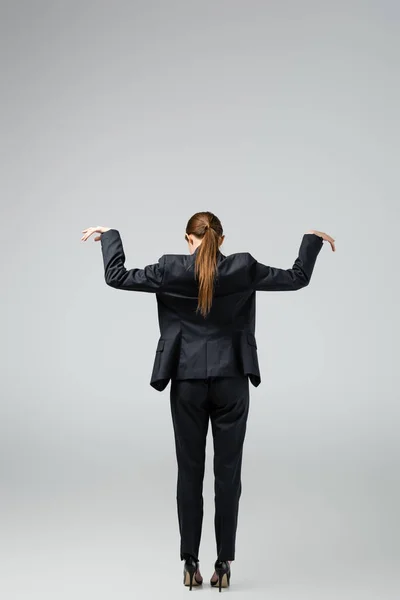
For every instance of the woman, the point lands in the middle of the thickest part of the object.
(208, 350)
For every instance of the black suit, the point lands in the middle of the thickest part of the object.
(209, 362)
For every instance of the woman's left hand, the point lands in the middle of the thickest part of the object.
(88, 232)
(324, 236)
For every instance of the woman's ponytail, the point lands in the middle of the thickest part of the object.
(208, 227)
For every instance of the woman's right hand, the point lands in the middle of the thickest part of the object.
(324, 236)
(90, 230)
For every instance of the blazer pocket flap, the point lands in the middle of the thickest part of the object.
(160, 346)
(251, 339)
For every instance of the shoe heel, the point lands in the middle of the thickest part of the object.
(189, 572)
(223, 573)
(191, 575)
(220, 576)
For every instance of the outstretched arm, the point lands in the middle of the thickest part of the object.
(266, 278)
(149, 279)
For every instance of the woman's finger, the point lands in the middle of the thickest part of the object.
(327, 237)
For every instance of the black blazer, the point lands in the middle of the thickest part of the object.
(222, 344)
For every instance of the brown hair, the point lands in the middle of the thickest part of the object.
(206, 226)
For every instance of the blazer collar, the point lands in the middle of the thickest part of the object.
(220, 256)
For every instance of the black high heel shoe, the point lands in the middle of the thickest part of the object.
(189, 569)
(223, 570)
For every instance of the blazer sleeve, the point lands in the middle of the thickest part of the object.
(149, 279)
(265, 278)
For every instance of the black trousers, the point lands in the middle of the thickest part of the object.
(224, 401)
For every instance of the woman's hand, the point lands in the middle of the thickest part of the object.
(324, 236)
(88, 232)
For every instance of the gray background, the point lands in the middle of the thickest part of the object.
(279, 117)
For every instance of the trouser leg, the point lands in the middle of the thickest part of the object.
(229, 409)
(190, 416)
